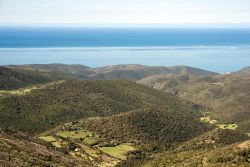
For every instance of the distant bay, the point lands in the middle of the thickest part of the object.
(214, 58)
(220, 50)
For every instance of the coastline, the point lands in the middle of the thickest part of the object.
(215, 58)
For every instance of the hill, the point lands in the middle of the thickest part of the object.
(46, 107)
(107, 69)
(11, 79)
(152, 129)
(19, 149)
(195, 118)
(129, 72)
(75, 70)
(226, 95)
(166, 81)
(215, 148)
(69, 115)
(244, 71)
(137, 72)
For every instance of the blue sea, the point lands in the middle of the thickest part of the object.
(215, 49)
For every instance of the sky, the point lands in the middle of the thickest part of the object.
(88, 12)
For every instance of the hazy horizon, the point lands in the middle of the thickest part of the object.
(124, 12)
(180, 25)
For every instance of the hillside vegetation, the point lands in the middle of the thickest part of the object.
(129, 72)
(18, 149)
(215, 148)
(137, 72)
(73, 115)
(11, 79)
(79, 71)
(151, 128)
(227, 95)
(244, 71)
(42, 109)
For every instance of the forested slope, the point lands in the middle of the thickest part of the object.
(11, 79)
(153, 129)
(227, 95)
(214, 148)
(42, 109)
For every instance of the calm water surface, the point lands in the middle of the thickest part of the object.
(220, 50)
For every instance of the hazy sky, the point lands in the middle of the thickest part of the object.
(124, 11)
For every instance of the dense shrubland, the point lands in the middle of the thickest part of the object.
(156, 128)
(46, 108)
(106, 116)
(10, 79)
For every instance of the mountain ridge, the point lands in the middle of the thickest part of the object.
(122, 71)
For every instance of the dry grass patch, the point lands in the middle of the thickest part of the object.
(119, 151)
